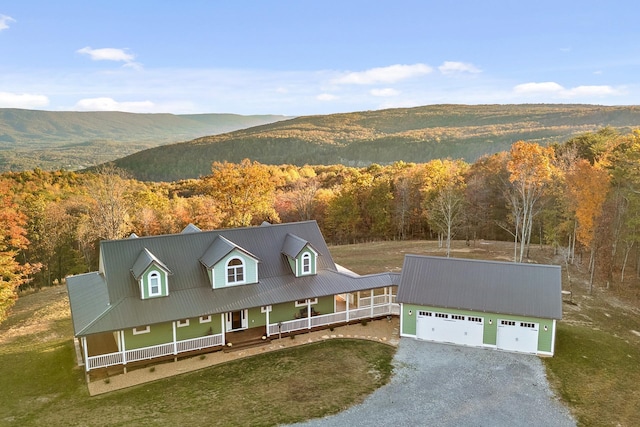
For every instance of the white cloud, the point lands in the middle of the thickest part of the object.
(390, 74)
(326, 97)
(384, 92)
(538, 88)
(4, 22)
(592, 91)
(22, 100)
(111, 54)
(109, 104)
(452, 67)
(558, 91)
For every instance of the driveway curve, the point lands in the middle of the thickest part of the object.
(445, 385)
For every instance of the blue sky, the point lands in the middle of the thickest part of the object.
(304, 57)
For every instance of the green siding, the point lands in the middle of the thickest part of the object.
(220, 269)
(197, 329)
(164, 285)
(283, 312)
(490, 324)
(161, 333)
(257, 318)
(325, 305)
(306, 250)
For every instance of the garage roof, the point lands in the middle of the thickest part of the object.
(485, 286)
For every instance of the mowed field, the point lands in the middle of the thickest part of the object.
(596, 369)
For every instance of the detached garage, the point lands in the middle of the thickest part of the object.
(502, 305)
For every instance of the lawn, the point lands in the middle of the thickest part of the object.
(595, 370)
(41, 386)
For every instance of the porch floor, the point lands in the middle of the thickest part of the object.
(384, 331)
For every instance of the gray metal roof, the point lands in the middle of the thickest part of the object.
(190, 229)
(109, 300)
(485, 286)
(188, 303)
(218, 250)
(293, 245)
(144, 260)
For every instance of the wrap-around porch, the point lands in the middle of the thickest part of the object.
(109, 349)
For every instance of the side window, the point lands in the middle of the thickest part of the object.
(154, 284)
(235, 271)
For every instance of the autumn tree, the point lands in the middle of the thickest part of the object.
(588, 186)
(244, 192)
(12, 241)
(109, 212)
(445, 203)
(530, 169)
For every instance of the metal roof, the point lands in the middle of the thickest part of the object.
(293, 245)
(144, 260)
(194, 302)
(109, 300)
(485, 286)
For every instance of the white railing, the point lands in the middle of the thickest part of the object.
(377, 300)
(199, 343)
(104, 360)
(334, 318)
(146, 353)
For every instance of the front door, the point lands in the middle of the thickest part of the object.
(237, 320)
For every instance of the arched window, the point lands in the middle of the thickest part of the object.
(154, 284)
(235, 271)
(306, 263)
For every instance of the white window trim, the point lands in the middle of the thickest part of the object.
(149, 287)
(265, 309)
(139, 331)
(313, 301)
(182, 323)
(304, 256)
(205, 319)
(244, 271)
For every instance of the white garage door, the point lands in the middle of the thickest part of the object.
(517, 336)
(449, 328)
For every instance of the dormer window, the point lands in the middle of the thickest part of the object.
(152, 275)
(154, 284)
(306, 263)
(235, 271)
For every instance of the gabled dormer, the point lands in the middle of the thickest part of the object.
(302, 257)
(228, 264)
(152, 275)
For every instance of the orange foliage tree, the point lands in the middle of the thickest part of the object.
(587, 186)
(12, 240)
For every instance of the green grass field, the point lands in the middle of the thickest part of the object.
(595, 371)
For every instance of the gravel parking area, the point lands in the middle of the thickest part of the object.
(445, 385)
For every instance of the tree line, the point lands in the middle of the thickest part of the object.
(581, 197)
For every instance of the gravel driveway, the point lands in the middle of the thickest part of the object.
(445, 385)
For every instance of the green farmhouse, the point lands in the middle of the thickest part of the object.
(170, 296)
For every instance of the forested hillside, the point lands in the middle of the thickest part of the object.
(416, 134)
(74, 140)
(581, 197)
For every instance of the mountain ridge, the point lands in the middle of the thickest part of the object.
(417, 134)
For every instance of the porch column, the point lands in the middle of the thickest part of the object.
(86, 354)
(267, 316)
(348, 297)
(223, 329)
(124, 352)
(175, 344)
(308, 313)
(371, 292)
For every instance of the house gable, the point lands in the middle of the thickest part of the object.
(235, 268)
(152, 275)
(228, 264)
(301, 256)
